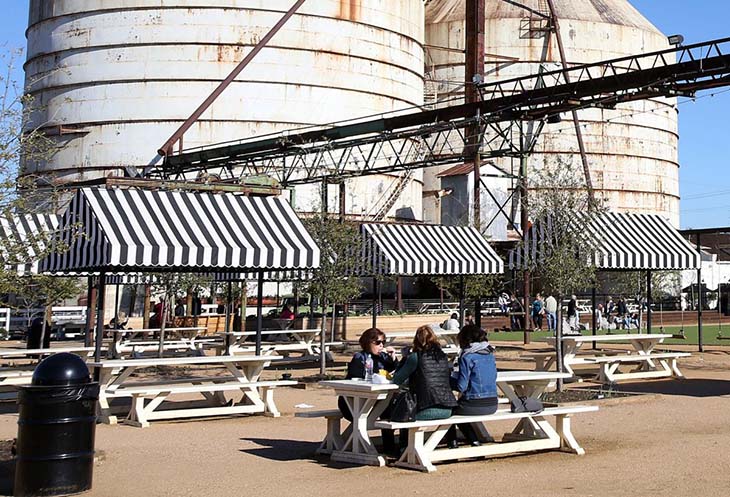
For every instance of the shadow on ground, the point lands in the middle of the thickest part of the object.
(695, 387)
(281, 450)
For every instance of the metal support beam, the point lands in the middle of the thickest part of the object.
(167, 147)
(576, 121)
(474, 72)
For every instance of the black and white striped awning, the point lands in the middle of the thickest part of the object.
(411, 249)
(622, 241)
(24, 240)
(151, 231)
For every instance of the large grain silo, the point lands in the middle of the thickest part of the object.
(114, 78)
(632, 150)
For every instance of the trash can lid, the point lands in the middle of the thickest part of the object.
(61, 369)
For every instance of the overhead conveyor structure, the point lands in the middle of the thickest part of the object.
(438, 137)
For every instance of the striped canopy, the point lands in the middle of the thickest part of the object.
(623, 241)
(146, 231)
(28, 236)
(411, 249)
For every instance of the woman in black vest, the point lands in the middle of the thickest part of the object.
(427, 371)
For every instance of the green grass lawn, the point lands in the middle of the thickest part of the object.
(709, 334)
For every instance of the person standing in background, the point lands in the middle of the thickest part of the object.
(551, 309)
(537, 312)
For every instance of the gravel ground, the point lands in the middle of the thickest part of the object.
(671, 441)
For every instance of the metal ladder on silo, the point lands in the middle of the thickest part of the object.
(393, 197)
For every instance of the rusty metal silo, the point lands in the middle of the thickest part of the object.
(632, 150)
(114, 79)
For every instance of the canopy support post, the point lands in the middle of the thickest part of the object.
(99, 322)
(229, 305)
(648, 300)
(461, 300)
(594, 327)
(259, 312)
(90, 305)
(700, 344)
(376, 289)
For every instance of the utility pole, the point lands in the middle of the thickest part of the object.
(474, 72)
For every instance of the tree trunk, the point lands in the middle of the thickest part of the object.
(47, 316)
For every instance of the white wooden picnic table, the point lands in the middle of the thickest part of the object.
(16, 365)
(302, 340)
(449, 336)
(368, 400)
(8, 353)
(137, 341)
(643, 355)
(643, 344)
(243, 375)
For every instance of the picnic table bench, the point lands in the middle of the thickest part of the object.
(149, 395)
(138, 341)
(18, 365)
(448, 336)
(424, 436)
(650, 364)
(305, 341)
(368, 400)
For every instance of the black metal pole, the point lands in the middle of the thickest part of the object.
(700, 345)
(594, 324)
(461, 300)
(478, 311)
(89, 311)
(259, 312)
(229, 328)
(375, 302)
(99, 322)
(648, 301)
(558, 341)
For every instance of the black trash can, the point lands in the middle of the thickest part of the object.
(56, 426)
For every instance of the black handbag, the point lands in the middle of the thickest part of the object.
(527, 404)
(403, 407)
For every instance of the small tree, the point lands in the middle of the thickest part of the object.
(340, 248)
(40, 290)
(565, 259)
(23, 141)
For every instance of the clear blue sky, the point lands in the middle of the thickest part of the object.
(704, 125)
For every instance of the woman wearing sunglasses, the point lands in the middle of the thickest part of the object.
(372, 343)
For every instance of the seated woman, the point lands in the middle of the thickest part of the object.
(372, 343)
(476, 380)
(427, 371)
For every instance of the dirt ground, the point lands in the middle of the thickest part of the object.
(671, 441)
